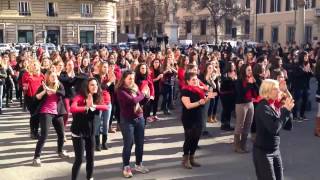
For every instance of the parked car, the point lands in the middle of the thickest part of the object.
(4, 47)
(49, 48)
(73, 47)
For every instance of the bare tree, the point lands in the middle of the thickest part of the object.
(151, 11)
(219, 10)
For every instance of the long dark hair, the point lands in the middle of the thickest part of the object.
(84, 91)
(301, 58)
(140, 77)
(243, 71)
(125, 74)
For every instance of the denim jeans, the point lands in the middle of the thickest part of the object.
(167, 94)
(132, 131)
(102, 126)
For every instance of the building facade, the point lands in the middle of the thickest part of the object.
(58, 21)
(285, 21)
(193, 24)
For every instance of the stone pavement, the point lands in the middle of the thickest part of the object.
(162, 153)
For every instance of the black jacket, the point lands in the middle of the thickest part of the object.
(268, 124)
(69, 84)
(241, 91)
(39, 102)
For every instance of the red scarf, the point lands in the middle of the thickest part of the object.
(195, 89)
(276, 104)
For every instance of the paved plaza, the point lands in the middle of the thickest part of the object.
(162, 155)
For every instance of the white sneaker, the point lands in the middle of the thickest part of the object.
(36, 162)
(142, 169)
(127, 173)
(64, 155)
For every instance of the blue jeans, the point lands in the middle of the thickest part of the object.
(132, 131)
(103, 125)
(167, 94)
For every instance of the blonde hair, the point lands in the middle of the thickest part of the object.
(266, 88)
(53, 85)
(31, 66)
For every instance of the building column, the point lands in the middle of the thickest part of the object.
(300, 25)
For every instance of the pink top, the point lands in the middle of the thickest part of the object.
(50, 105)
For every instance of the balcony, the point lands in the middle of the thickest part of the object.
(86, 15)
(52, 14)
(26, 13)
(317, 12)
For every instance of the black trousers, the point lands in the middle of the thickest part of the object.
(45, 122)
(34, 119)
(228, 105)
(301, 98)
(79, 143)
(191, 139)
(155, 102)
(268, 165)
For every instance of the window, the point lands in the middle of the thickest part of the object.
(86, 36)
(291, 34)
(274, 34)
(275, 6)
(248, 3)
(228, 26)
(261, 6)
(247, 26)
(137, 30)
(118, 14)
(127, 29)
(203, 27)
(1, 35)
(127, 13)
(189, 4)
(24, 8)
(188, 26)
(86, 10)
(137, 12)
(308, 34)
(25, 36)
(159, 26)
(260, 34)
(310, 4)
(113, 37)
(118, 29)
(290, 5)
(52, 9)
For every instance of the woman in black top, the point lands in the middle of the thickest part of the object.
(302, 76)
(193, 99)
(270, 116)
(227, 95)
(68, 79)
(85, 109)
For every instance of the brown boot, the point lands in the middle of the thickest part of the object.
(237, 147)
(210, 120)
(243, 143)
(193, 162)
(186, 162)
(214, 119)
(317, 129)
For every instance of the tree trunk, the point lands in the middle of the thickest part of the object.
(215, 33)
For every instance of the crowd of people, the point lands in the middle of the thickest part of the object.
(253, 84)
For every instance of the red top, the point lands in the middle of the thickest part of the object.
(79, 105)
(148, 83)
(50, 106)
(31, 83)
(181, 72)
(117, 72)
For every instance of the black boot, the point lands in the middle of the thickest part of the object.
(98, 147)
(104, 142)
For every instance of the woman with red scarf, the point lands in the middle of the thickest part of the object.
(246, 89)
(193, 100)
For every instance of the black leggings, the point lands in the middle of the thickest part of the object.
(155, 102)
(228, 105)
(192, 137)
(45, 121)
(78, 145)
(34, 119)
